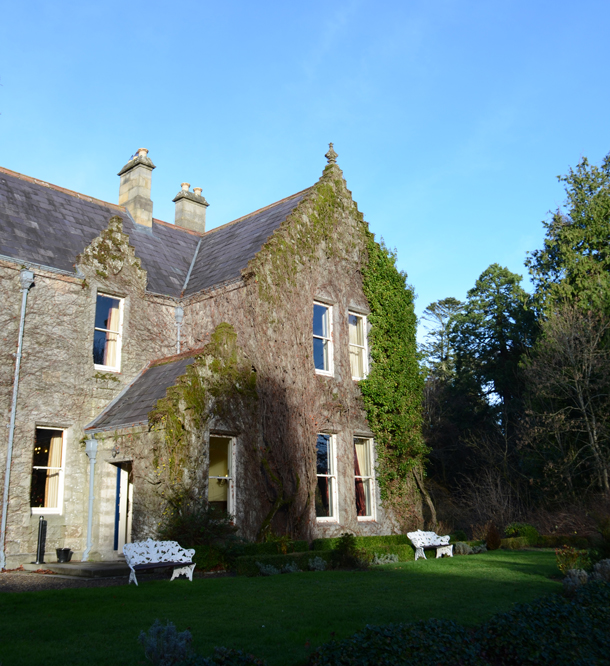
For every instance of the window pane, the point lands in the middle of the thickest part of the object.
(356, 330)
(107, 313)
(363, 497)
(105, 348)
(323, 447)
(356, 360)
(219, 456)
(324, 494)
(320, 354)
(48, 449)
(320, 320)
(362, 460)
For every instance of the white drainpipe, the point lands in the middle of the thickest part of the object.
(26, 278)
(91, 451)
(178, 315)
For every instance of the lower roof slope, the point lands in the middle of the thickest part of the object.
(134, 403)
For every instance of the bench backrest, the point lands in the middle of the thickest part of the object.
(150, 551)
(421, 539)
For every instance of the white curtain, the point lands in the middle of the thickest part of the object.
(112, 339)
(356, 353)
(51, 495)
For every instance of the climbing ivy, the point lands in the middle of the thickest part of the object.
(221, 384)
(392, 392)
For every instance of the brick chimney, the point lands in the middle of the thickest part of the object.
(134, 190)
(190, 208)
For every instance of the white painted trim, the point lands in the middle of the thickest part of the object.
(58, 510)
(333, 475)
(365, 348)
(373, 489)
(330, 342)
(110, 368)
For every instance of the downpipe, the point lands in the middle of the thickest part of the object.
(26, 278)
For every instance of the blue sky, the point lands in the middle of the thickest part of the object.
(451, 119)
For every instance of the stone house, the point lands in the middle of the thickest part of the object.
(256, 331)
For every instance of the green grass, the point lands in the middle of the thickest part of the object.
(280, 618)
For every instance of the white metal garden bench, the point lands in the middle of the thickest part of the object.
(422, 540)
(151, 554)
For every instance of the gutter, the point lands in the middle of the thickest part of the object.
(26, 278)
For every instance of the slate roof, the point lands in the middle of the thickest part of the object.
(49, 225)
(225, 251)
(132, 405)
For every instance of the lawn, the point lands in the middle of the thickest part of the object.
(280, 618)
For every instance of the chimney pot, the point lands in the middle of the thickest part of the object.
(185, 187)
(142, 152)
(197, 191)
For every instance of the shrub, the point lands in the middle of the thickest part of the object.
(197, 524)
(317, 564)
(570, 558)
(208, 558)
(247, 566)
(425, 643)
(524, 530)
(492, 539)
(515, 543)
(403, 552)
(384, 558)
(164, 646)
(462, 548)
(557, 540)
(290, 567)
(552, 630)
(573, 580)
(267, 569)
(458, 535)
(347, 555)
(601, 571)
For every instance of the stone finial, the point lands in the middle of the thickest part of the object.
(331, 155)
(185, 186)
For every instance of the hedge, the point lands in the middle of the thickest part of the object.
(404, 552)
(367, 542)
(515, 543)
(558, 540)
(247, 565)
(273, 548)
(208, 557)
(212, 557)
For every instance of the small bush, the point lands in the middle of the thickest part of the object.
(523, 530)
(458, 535)
(164, 646)
(317, 564)
(347, 555)
(425, 643)
(247, 566)
(492, 539)
(573, 580)
(290, 567)
(197, 524)
(267, 569)
(601, 571)
(384, 558)
(570, 558)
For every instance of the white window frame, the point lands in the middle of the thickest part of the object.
(334, 495)
(58, 510)
(119, 344)
(365, 348)
(370, 478)
(329, 340)
(230, 479)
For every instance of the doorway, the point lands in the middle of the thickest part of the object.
(123, 506)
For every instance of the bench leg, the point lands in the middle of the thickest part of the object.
(444, 550)
(419, 552)
(132, 577)
(187, 570)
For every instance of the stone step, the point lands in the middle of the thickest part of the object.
(82, 569)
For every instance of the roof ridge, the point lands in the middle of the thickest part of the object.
(175, 357)
(260, 210)
(177, 226)
(65, 190)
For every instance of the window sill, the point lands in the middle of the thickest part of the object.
(325, 373)
(107, 368)
(321, 519)
(40, 511)
(366, 519)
